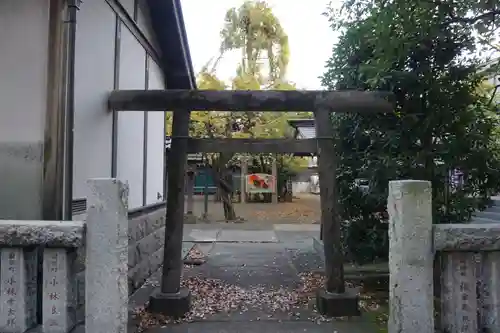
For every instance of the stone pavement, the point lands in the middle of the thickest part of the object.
(249, 232)
(254, 257)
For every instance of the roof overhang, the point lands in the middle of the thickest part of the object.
(304, 129)
(168, 24)
(301, 122)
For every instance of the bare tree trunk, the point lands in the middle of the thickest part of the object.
(223, 181)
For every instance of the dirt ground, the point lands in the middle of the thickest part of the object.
(304, 209)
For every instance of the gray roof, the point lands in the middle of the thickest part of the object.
(304, 128)
(306, 132)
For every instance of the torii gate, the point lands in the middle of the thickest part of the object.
(334, 300)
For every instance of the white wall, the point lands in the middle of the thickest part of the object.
(156, 138)
(23, 82)
(131, 123)
(94, 76)
(95, 67)
(129, 6)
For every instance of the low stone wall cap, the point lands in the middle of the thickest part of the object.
(62, 234)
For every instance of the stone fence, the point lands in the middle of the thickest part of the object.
(45, 296)
(466, 297)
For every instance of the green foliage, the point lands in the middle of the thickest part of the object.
(417, 50)
(253, 30)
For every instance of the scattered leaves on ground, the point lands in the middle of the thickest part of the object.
(212, 296)
(195, 256)
(304, 211)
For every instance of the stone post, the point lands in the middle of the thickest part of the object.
(18, 290)
(243, 179)
(410, 257)
(275, 181)
(58, 305)
(106, 290)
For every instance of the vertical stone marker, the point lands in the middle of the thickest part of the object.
(459, 301)
(16, 298)
(490, 292)
(106, 291)
(410, 257)
(31, 264)
(58, 308)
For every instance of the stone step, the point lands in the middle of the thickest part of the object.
(492, 215)
(483, 220)
(352, 325)
(495, 208)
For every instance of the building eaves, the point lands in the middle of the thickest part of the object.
(301, 122)
(168, 24)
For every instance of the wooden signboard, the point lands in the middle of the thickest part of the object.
(260, 183)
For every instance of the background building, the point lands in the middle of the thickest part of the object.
(59, 60)
(127, 44)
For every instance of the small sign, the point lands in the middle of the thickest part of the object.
(259, 183)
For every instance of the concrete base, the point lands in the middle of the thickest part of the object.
(172, 305)
(338, 305)
(190, 219)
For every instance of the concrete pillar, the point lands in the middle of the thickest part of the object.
(58, 302)
(275, 178)
(410, 257)
(18, 290)
(243, 180)
(106, 290)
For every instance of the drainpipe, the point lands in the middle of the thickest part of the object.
(72, 10)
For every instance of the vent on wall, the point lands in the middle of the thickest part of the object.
(79, 206)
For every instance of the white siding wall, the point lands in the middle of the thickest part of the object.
(95, 52)
(24, 28)
(129, 6)
(156, 138)
(94, 122)
(23, 82)
(131, 123)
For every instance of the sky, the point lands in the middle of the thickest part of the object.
(310, 37)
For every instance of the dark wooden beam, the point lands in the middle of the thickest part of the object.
(174, 219)
(247, 100)
(330, 217)
(223, 145)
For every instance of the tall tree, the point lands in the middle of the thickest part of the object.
(420, 50)
(256, 32)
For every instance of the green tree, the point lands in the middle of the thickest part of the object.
(254, 31)
(420, 50)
